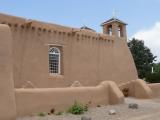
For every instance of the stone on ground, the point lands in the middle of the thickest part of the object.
(133, 105)
(85, 118)
(112, 112)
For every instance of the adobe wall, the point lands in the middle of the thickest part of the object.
(7, 93)
(138, 89)
(123, 60)
(155, 87)
(19, 102)
(87, 57)
(33, 101)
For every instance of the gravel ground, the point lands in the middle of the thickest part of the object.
(148, 109)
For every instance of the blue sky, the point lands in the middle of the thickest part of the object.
(141, 15)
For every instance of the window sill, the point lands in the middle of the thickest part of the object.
(56, 76)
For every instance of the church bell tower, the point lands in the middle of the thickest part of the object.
(114, 27)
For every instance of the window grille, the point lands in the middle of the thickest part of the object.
(54, 60)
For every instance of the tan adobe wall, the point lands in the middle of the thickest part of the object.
(155, 87)
(7, 94)
(137, 88)
(87, 57)
(19, 102)
(31, 101)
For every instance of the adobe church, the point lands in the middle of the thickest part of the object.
(50, 55)
(46, 66)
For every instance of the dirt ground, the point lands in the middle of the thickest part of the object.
(147, 110)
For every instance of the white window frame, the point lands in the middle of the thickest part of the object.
(59, 59)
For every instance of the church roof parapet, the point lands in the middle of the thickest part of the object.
(22, 23)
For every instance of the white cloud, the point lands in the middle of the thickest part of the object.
(151, 37)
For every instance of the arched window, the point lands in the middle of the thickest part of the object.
(54, 60)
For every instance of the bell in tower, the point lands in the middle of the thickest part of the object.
(114, 27)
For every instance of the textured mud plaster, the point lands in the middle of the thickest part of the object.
(36, 100)
(155, 87)
(7, 94)
(115, 95)
(137, 88)
(86, 56)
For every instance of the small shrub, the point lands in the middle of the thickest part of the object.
(78, 108)
(41, 114)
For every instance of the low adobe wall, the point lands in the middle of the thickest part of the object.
(155, 87)
(30, 101)
(7, 94)
(137, 88)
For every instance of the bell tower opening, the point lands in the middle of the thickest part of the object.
(120, 31)
(109, 30)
